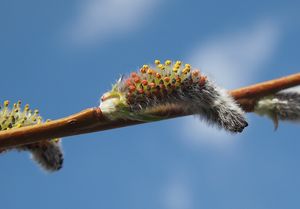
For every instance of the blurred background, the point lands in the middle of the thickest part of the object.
(60, 56)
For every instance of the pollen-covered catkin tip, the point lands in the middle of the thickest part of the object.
(168, 82)
(47, 153)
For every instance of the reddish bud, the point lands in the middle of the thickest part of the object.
(136, 79)
(144, 82)
(195, 73)
(140, 91)
(166, 79)
(133, 74)
(202, 80)
(132, 88)
(152, 85)
(128, 82)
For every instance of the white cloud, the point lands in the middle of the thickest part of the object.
(99, 20)
(197, 133)
(232, 60)
(176, 194)
(235, 59)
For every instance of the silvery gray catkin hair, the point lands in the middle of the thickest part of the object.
(47, 153)
(176, 84)
(217, 107)
(283, 106)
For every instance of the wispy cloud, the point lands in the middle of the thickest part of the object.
(236, 58)
(176, 194)
(232, 60)
(99, 20)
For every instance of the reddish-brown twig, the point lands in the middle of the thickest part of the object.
(92, 119)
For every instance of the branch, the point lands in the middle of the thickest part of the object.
(92, 119)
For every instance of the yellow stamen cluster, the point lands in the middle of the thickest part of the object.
(168, 62)
(157, 62)
(158, 81)
(171, 83)
(17, 117)
(186, 69)
(46, 153)
(176, 66)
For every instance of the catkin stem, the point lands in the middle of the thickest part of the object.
(92, 119)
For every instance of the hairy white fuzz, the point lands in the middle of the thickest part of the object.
(283, 106)
(214, 105)
(48, 154)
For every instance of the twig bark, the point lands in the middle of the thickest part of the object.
(92, 119)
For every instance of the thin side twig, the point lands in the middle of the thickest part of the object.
(92, 119)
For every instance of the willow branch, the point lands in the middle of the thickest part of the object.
(92, 119)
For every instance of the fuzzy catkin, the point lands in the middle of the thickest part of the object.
(177, 84)
(283, 106)
(289, 106)
(47, 153)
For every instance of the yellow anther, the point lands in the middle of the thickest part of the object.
(143, 70)
(36, 111)
(6, 103)
(161, 66)
(18, 125)
(187, 66)
(56, 140)
(146, 67)
(185, 71)
(150, 71)
(168, 62)
(157, 62)
(19, 103)
(175, 70)
(177, 66)
(39, 120)
(178, 63)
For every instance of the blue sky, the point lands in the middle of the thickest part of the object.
(60, 56)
